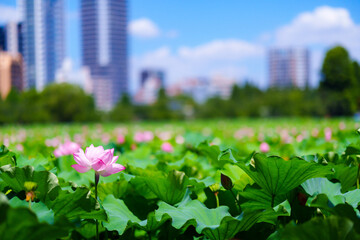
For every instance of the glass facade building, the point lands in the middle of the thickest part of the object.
(289, 67)
(43, 40)
(104, 48)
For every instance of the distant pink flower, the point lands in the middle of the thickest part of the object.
(180, 139)
(146, 136)
(133, 146)
(120, 139)
(105, 138)
(167, 147)
(138, 137)
(67, 148)
(315, 132)
(299, 138)
(20, 147)
(328, 134)
(102, 161)
(342, 126)
(264, 147)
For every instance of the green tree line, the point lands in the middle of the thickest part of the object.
(337, 95)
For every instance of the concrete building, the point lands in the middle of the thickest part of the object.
(289, 67)
(11, 73)
(104, 46)
(44, 40)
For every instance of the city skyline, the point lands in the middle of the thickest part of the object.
(230, 40)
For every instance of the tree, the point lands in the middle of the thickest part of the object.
(66, 103)
(337, 70)
(338, 85)
(124, 110)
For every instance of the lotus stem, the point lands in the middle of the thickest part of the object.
(357, 177)
(97, 177)
(236, 200)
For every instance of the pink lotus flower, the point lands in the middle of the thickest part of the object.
(102, 161)
(67, 148)
(328, 134)
(167, 147)
(264, 147)
(120, 139)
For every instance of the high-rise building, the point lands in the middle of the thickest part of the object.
(14, 38)
(147, 74)
(43, 40)
(2, 38)
(289, 67)
(104, 46)
(11, 73)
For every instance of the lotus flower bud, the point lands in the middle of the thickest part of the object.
(226, 182)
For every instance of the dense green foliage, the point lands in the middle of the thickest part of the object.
(56, 103)
(214, 185)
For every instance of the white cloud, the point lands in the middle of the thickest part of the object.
(8, 14)
(143, 28)
(231, 49)
(325, 26)
(220, 57)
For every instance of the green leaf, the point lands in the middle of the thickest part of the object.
(78, 204)
(259, 199)
(238, 176)
(230, 226)
(192, 213)
(346, 175)
(43, 213)
(317, 186)
(331, 228)
(6, 157)
(277, 176)
(352, 149)
(119, 216)
(47, 183)
(170, 190)
(22, 224)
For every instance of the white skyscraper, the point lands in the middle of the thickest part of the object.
(43, 33)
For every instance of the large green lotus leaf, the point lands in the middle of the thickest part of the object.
(119, 216)
(6, 157)
(278, 176)
(346, 175)
(47, 183)
(317, 186)
(75, 178)
(87, 228)
(171, 189)
(22, 224)
(257, 199)
(43, 213)
(192, 213)
(230, 226)
(238, 176)
(78, 204)
(331, 228)
(352, 149)
(151, 223)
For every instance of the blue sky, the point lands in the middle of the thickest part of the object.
(190, 38)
